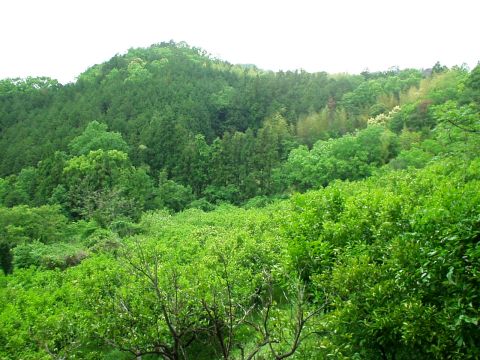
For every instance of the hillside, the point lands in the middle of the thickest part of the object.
(143, 91)
(170, 205)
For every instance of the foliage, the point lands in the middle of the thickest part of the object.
(349, 157)
(36, 253)
(384, 252)
(96, 137)
(124, 243)
(22, 225)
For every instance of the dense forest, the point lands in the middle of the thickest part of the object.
(170, 205)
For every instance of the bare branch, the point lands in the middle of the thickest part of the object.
(461, 127)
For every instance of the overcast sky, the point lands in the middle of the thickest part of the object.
(62, 38)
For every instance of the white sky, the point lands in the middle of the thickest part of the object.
(62, 38)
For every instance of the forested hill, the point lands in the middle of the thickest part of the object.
(198, 130)
(160, 97)
(169, 205)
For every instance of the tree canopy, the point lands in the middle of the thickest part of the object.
(170, 205)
